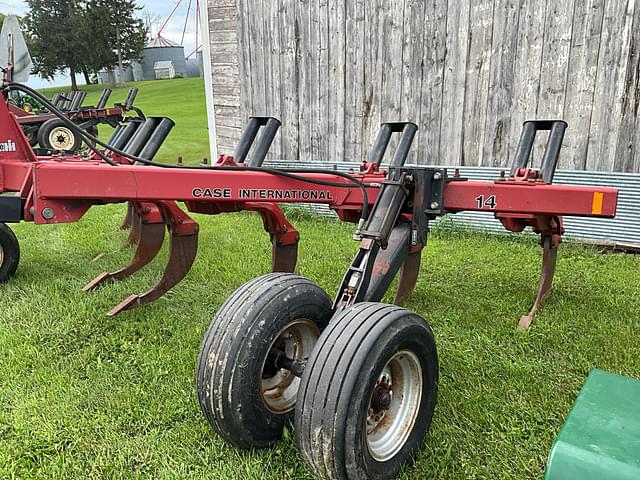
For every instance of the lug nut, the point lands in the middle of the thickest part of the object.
(434, 205)
(437, 176)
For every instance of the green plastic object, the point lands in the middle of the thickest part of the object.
(601, 436)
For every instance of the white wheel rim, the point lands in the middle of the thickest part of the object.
(1, 256)
(61, 138)
(279, 387)
(394, 405)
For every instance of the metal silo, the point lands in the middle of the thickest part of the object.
(161, 49)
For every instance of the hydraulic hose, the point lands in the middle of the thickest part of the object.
(287, 172)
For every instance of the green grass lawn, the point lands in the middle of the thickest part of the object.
(83, 395)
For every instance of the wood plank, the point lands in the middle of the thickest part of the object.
(581, 81)
(228, 131)
(433, 60)
(226, 90)
(221, 3)
(373, 73)
(610, 84)
(224, 52)
(355, 66)
(289, 85)
(553, 69)
(499, 106)
(222, 24)
(273, 52)
(218, 11)
(412, 52)
(228, 115)
(305, 77)
(229, 101)
(476, 91)
(244, 59)
(226, 70)
(526, 73)
(453, 94)
(336, 52)
(319, 143)
(391, 55)
(223, 36)
(392, 48)
(627, 158)
(255, 14)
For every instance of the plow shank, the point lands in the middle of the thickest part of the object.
(549, 260)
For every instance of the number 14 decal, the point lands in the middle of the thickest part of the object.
(486, 202)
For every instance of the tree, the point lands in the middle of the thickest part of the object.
(117, 34)
(83, 35)
(57, 40)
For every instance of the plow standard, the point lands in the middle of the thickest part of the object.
(358, 377)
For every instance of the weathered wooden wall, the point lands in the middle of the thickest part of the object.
(468, 72)
(225, 72)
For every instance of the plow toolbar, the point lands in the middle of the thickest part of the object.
(392, 205)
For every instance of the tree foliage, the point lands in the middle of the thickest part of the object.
(113, 25)
(55, 31)
(82, 35)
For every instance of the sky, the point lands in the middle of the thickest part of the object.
(159, 10)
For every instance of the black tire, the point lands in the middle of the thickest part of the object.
(32, 135)
(66, 140)
(9, 253)
(235, 383)
(336, 395)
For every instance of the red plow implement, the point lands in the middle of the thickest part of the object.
(358, 377)
(61, 188)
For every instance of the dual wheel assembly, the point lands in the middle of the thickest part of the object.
(359, 386)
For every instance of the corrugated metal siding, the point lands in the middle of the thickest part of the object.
(625, 228)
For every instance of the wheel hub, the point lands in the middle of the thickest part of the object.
(394, 405)
(279, 386)
(61, 138)
(381, 398)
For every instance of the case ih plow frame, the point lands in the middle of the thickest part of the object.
(358, 377)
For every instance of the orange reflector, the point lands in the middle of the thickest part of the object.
(598, 199)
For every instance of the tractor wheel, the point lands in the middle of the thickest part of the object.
(55, 135)
(367, 394)
(244, 393)
(9, 253)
